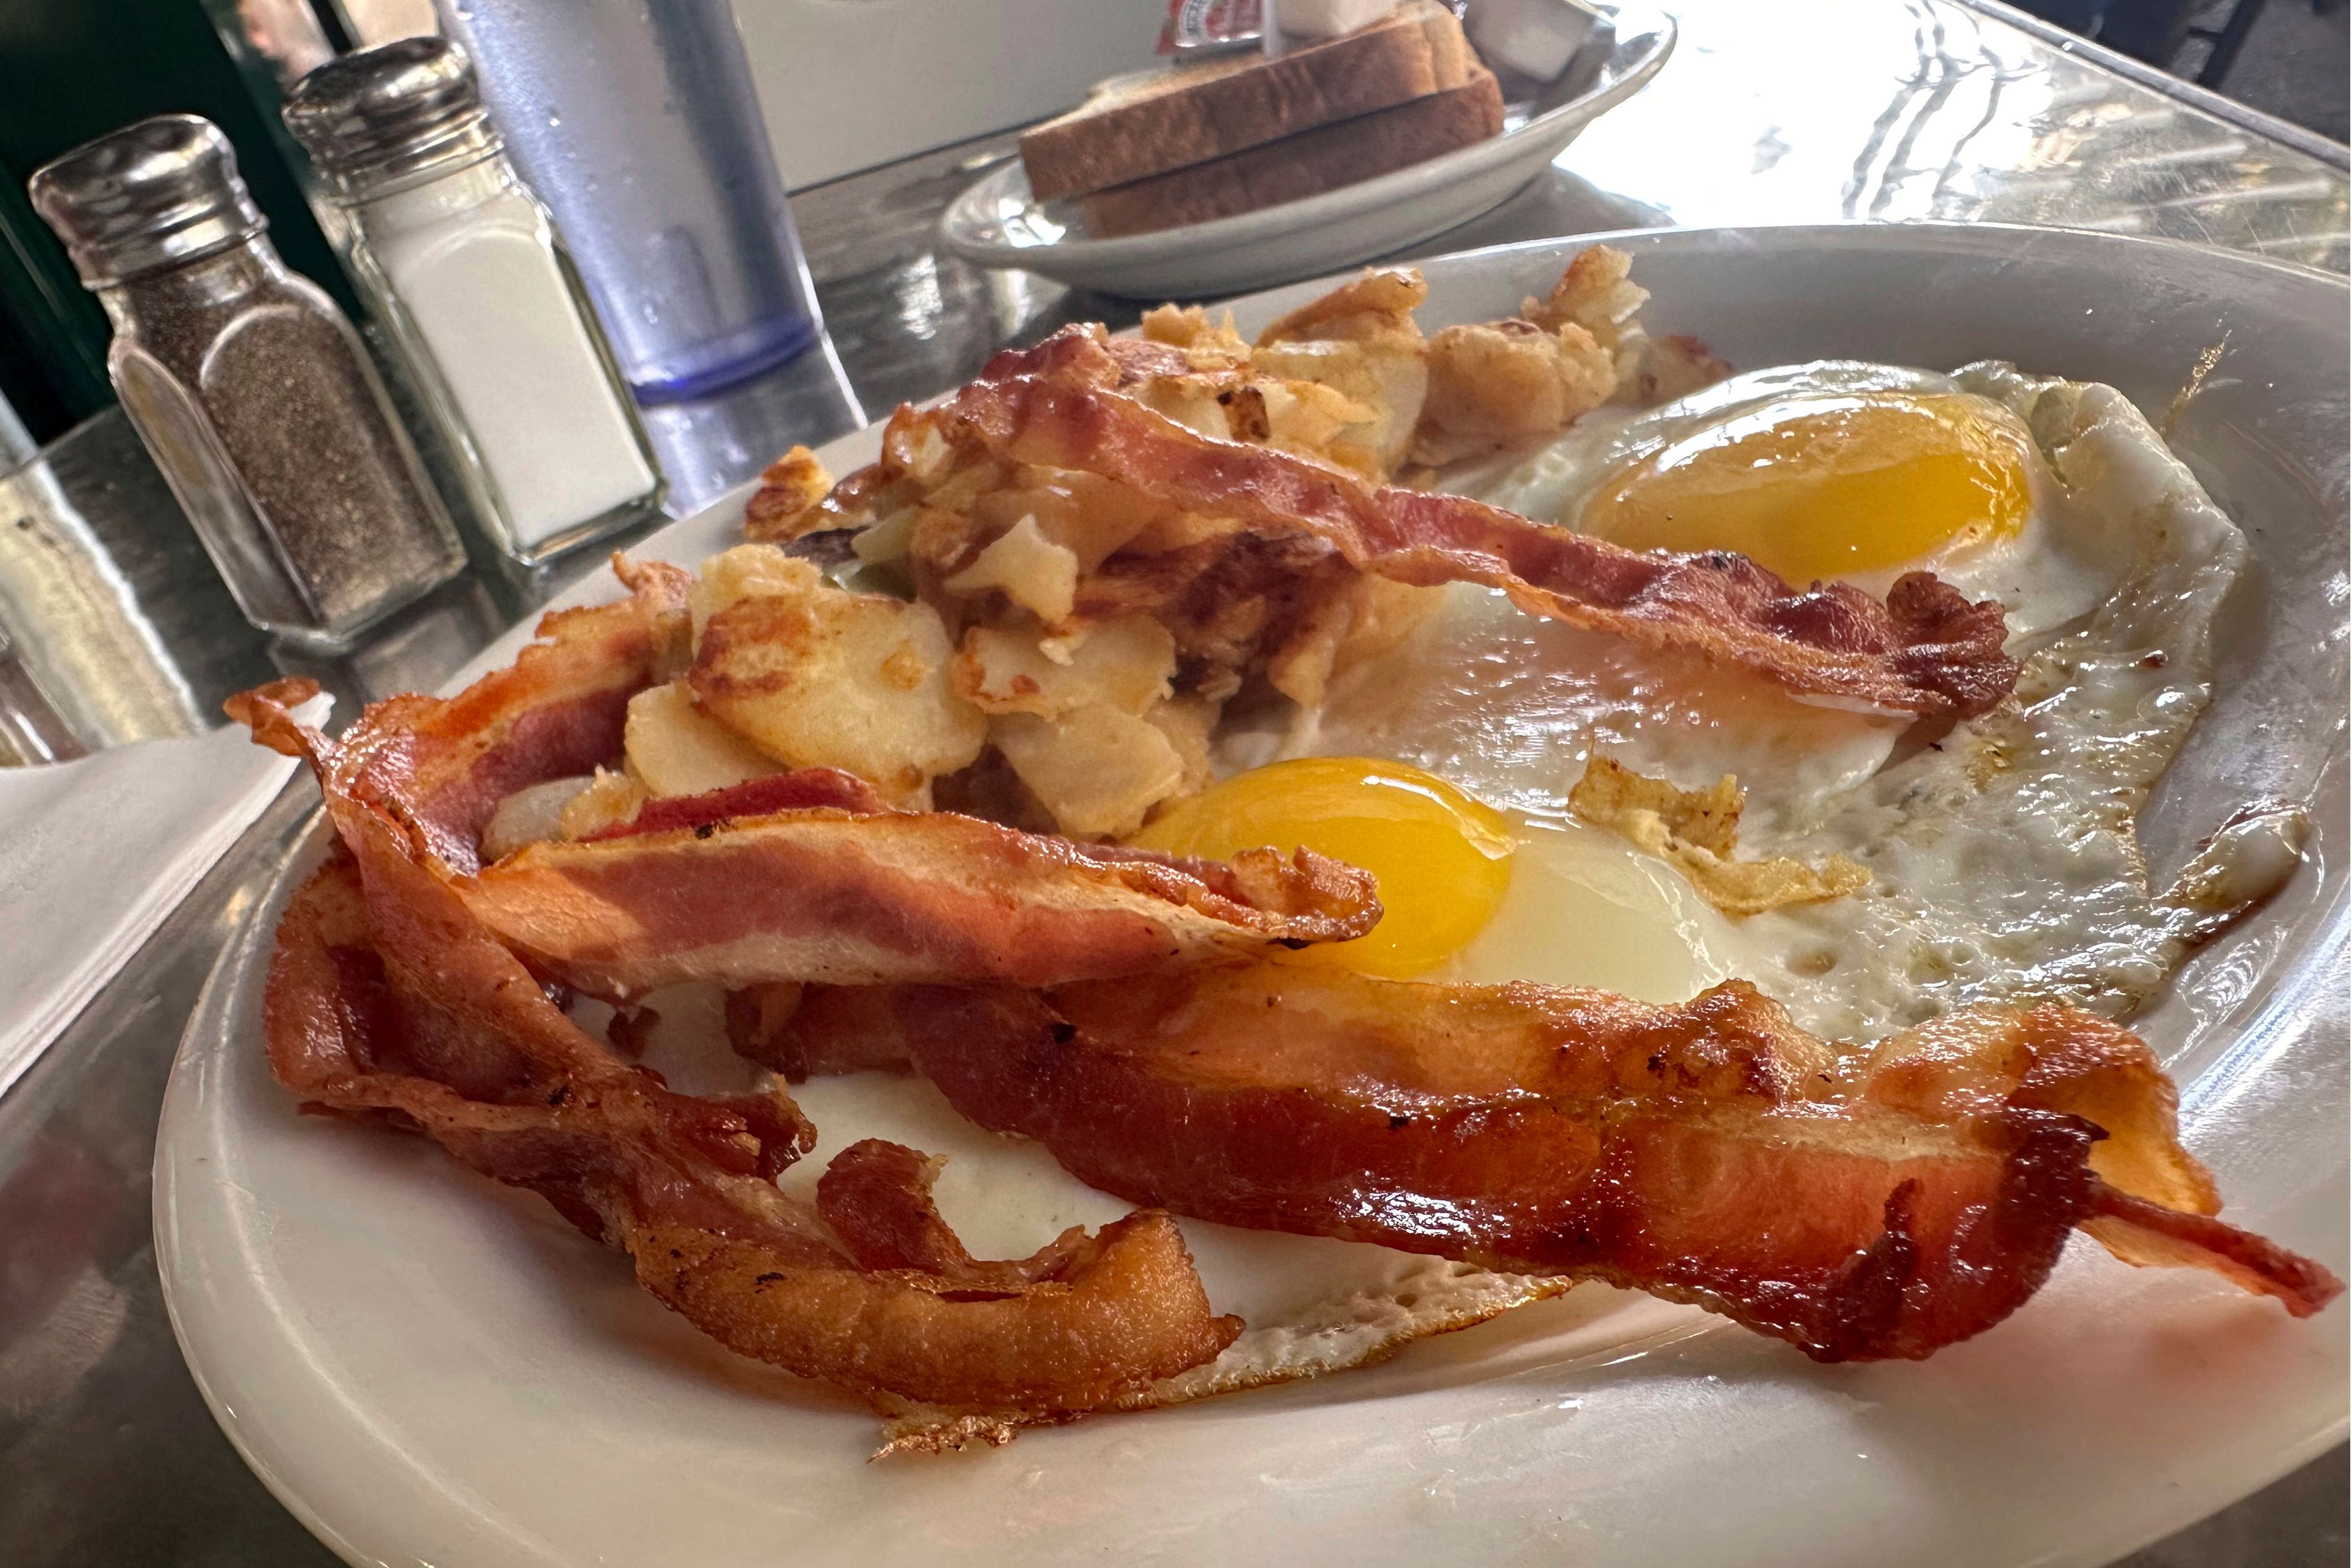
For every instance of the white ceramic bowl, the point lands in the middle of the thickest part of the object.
(996, 223)
(428, 1368)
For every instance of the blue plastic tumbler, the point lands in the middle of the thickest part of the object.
(637, 123)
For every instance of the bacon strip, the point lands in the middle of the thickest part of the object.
(440, 766)
(1926, 650)
(386, 1002)
(796, 877)
(820, 895)
(1712, 1153)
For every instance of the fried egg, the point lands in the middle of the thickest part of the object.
(2001, 858)
(1442, 860)
(1837, 471)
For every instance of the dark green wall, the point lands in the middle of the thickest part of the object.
(72, 69)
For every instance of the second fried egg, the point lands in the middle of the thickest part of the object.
(1834, 471)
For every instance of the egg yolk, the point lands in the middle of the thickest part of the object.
(1825, 485)
(1442, 860)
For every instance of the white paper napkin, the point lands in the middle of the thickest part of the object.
(94, 852)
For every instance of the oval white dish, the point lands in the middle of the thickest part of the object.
(426, 1368)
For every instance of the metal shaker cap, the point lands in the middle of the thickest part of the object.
(152, 194)
(399, 109)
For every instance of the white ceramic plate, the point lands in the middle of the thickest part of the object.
(427, 1369)
(996, 223)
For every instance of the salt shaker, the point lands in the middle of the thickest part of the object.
(249, 387)
(535, 435)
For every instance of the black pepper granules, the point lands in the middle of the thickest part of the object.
(249, 386)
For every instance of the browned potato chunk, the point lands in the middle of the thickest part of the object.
(1090, 515)
(1384, 383)
(1597, 293)
(675, 748)
(1362, 341)
(1207, 344)
(530, 814)
(816, 675)
(609, 799)
(1188, 723)
(1097, 770)
(1496, 383)
(1028, 568)
(784, 507)
(1124, 664)
(1379, 302)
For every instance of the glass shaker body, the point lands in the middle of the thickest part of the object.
(258, 402)
(639, 126)
(487, 317)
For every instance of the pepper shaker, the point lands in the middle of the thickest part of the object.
(249, 386)
(536, 435)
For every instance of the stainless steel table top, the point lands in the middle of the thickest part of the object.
(1885, 110)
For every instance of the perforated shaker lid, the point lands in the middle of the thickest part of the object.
(152, 195)
(396, 109)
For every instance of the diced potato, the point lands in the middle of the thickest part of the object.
(1385, 379)
(1125, 664)
(1207, 342)
(678, 748)
(1597, 293)
(1097, 770)
(887, 540)
(1188, 723)
(1377, 303)
(1301, 667)
(1028, 568)
(746, 571)
(1495, 383)
(609, 799)
(786, 505)
(1092, 516)
(938, 544)
(530, 814)
(927, 454)
(815, 676)
(1189, 400)
(1676, 366)
(966, 483)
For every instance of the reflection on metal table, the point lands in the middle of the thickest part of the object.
(1866, 110)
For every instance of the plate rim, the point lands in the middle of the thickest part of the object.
(223, 997)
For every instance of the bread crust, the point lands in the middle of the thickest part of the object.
(1305, 164)
(1182, 118)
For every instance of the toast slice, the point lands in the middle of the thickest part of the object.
(1305, 164)
(1135, 127)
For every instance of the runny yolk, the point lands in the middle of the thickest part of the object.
(1826, 485)
(1442, 860)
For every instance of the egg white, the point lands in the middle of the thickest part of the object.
(2004, 861)
(2005, 867)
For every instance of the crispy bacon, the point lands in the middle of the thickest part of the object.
(801, 876)
(1084, 355)
(440, 766)
(1926, 649)
(831, 896)
(386, 1002)
(1712, 1152)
